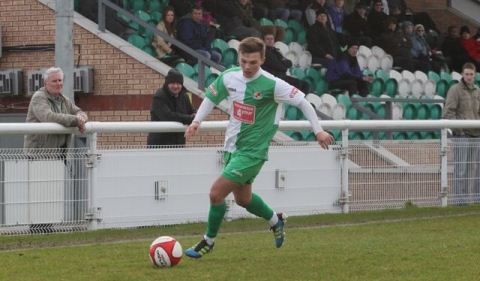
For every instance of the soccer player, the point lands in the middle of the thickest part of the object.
(255, 97)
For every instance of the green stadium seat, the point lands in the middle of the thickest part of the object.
(432, 75)
(295, 25)
(265, 22)
(219, 45)
(186, 69)
(321, 87)
(421, 111)
(477, 78)
(229, 57)
(143, 16)
(280, 23)
(409, 111)
(313, 73)
(302, 37)
(435, 111)
(292, 113)
(376, 87)
(289, 36)
(354, 114)
(137, 40)
(206, 69)
(156, 17)
(345, 100)
(442, 88)
(445, 76)
(137, 5)
(356, 135)
(155, 6)
(210, 78)
(380, 73)
(391, 87)
(414, 136)
(150, 50)
(399, 136)
(427, 135)
(297, 72)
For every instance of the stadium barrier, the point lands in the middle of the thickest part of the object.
(94, 187)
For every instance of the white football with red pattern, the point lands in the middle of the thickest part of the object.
(165, 251)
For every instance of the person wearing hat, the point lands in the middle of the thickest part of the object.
(356, 25)
(171, 103)
(322, 40)
(344, 73)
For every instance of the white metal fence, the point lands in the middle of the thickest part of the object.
(91, 188)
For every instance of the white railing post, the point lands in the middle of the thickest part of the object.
(444, 167)
(93, 215)
(345, 195)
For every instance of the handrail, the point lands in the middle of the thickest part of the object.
(137, 127)
(202, 60)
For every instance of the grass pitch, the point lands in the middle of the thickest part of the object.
(408, 244)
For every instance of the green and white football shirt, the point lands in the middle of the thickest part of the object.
(255, 109)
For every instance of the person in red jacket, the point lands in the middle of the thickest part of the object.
(471, 45)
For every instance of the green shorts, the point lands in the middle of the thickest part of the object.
(241, 169)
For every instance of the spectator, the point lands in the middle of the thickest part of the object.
(421, 50)
(377, 19)
(337, 14)
(453, 50)
(168, 26)
(49, 105)
(420, 62)
(311, 10)
(345, 73)
(322, 40)
(171, 103)
(231, 17)
(397, 45)
(277, 64)
(194, 33)
(278, 9)
(463, 103)
(182, 7)
(356, 25)
(246, 14)
(471, 45)
(397, 4)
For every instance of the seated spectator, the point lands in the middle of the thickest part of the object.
(322, 41)
(277, 64)
(420, 62)
(377, 19)
(231, 18)
(397, 45)
(453, 50)
(345, 73)
(278, 9)
(182, 7)
(421, 50)
(311, 10)
(471, 45)
(168, 26)
(356, 25)
(246, 14)
(397, 4)
(194, 33)
(337, 14)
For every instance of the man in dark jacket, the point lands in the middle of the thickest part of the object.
(277, 64)
(171, 103)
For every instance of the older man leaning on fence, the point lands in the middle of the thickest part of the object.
(49, 105)
(463, 103)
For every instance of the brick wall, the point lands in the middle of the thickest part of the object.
(123, 86)
(439, 12)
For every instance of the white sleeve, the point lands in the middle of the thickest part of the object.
(311, 115)
(286, 93)
(205, 107)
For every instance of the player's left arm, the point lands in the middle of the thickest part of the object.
(286, 93)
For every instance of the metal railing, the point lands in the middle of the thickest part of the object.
(77, 189)
(202, 60)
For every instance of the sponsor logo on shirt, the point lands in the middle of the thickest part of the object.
(244, 112)
(232, 89)
(293, 92)
(257, 96)
(213, 90)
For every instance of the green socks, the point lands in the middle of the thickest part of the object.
(259, 208)
(217, 212)
(215, 217)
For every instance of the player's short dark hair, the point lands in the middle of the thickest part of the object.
(469, 65)
(252, 45)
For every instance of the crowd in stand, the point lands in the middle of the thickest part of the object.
(411, 38)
